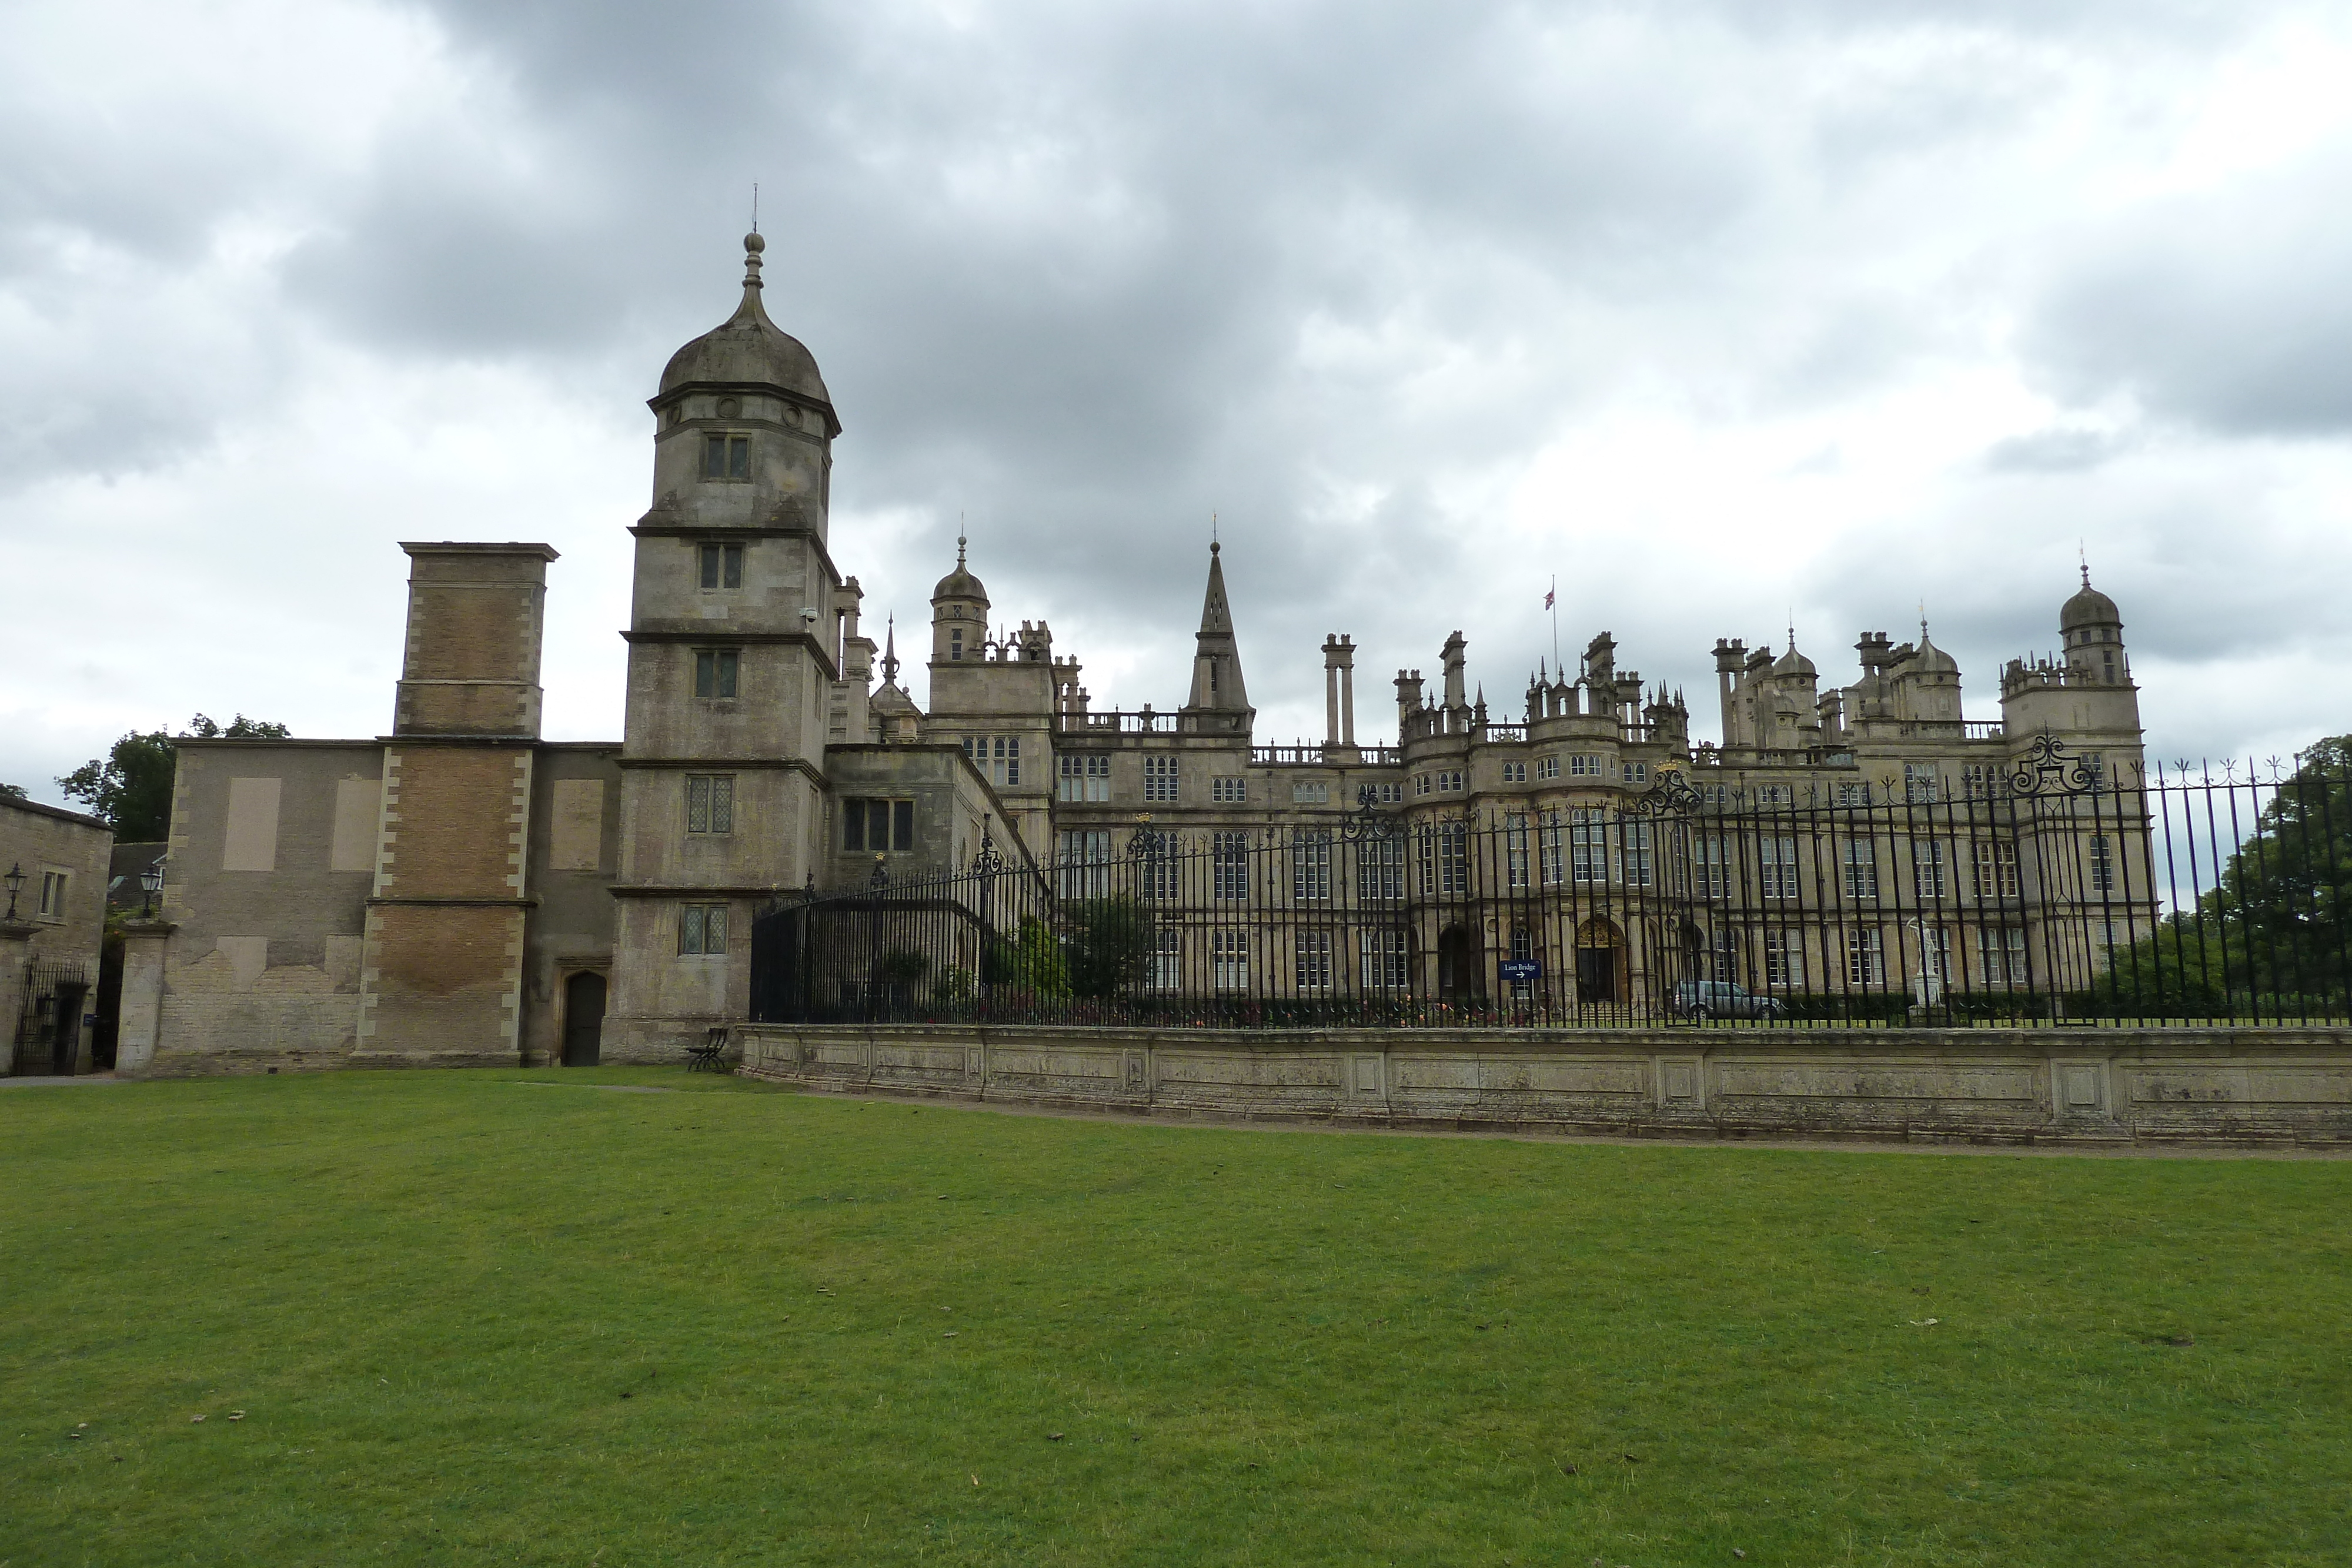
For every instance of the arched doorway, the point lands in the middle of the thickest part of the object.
(584, 1019)
(1600, 962)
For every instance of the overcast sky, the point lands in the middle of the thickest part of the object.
(1725, 315)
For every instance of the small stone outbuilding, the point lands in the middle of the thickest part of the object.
(52, 925)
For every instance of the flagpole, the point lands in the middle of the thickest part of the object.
(1551, 602)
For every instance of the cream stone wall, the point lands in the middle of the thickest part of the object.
(266, 899)
(673, 997)
(471, 941)
(791, 457)
(1993, 1086)
(954, 805)
(576, 824)
(575, 839)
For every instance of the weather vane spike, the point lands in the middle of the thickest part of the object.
(755, 206)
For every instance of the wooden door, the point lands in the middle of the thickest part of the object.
(583, 1020)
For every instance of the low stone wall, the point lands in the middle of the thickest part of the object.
(1993, 1086)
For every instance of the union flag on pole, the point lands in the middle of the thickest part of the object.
(1548, 596)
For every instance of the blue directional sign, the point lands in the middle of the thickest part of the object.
(1521, 970)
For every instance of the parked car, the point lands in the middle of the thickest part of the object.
(1699, 1001)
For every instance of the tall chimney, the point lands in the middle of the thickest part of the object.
(1347, 691)
(1330, 690)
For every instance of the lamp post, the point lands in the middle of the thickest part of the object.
(15, 880)
(876, 886)
(985, 866)
(150, 883)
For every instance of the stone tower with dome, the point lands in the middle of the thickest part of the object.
(2084, 693)
(992, 695)
(731, 662)
(748, 684)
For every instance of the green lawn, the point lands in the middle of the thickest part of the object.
(493, 1317)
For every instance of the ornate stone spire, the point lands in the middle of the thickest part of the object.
(1217, 684)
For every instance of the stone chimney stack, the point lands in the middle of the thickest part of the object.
(1330, 691)
(475, 615)
(441, 958)
(1339, 694)
(1347, 692)
(1730, 658)
(1408, 691)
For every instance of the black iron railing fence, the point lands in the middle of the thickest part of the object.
(2052, 892)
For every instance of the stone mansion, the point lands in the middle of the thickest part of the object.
(459, 890)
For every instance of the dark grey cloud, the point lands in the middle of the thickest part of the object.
(1336, 273)
(2060, 450)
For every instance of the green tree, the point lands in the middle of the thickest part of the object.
(13, 791)
(1111, 938)
(131, 789)
(905, 965)
(2278, 921)
(1031, 962)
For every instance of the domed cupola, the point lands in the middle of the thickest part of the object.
(961, 584)
(743, 426)
(2092, 629)
(1930, 660)
(2089, 608)
(1793, 665)
(749, 352)
(958, 615)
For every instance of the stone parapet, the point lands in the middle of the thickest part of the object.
(2079, 1087)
